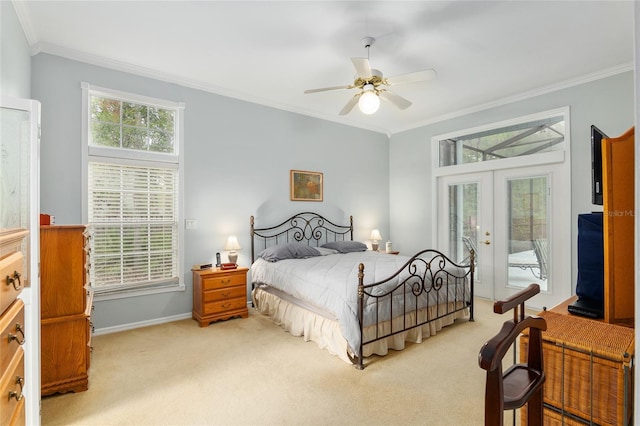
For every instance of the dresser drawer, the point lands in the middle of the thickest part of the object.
(12, 333)
(225, 305)
(225, 293)
(19, 417)
(11, 385)
(11, 279)
(223, 280)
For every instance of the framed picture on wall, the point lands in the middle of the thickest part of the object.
(306, 186)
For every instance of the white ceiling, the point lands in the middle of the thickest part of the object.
(267, 52)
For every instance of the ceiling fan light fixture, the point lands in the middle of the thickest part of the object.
(369, 101)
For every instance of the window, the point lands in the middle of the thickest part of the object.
(132, 198)
(513, 140)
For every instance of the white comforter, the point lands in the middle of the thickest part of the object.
(331, 283)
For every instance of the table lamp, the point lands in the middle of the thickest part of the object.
(231, 246)
(375, 237)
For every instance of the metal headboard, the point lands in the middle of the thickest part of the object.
(307, 227)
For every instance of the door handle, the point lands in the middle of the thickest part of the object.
(487, 242)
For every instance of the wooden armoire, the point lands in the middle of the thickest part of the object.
(65, 306)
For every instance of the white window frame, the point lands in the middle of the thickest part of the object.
(133, 157)
(557, 156)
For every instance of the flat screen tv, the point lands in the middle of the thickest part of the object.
(596, 165)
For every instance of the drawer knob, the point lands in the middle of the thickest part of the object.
(17, 395)
(11, 280)
(15, 337)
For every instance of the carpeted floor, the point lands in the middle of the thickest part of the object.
(251, 372)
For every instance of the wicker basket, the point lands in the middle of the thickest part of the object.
(588, 365)
(552, 418)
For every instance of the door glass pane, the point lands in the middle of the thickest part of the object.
(463, 221)
(14, 163)
(528, 248)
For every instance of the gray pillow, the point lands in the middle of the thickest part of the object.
(346, 246)
(288, 251)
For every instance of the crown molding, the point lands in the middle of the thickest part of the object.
(609, 72)
(25, 21)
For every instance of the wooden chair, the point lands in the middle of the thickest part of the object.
(521, 383)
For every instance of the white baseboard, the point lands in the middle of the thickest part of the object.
(155, 321)
(133, 325)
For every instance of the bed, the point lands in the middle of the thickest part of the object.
(310, 277)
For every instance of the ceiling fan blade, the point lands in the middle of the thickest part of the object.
(363, 69)
(349, 106)
(327, 89)
(394, 99)
(412, 77)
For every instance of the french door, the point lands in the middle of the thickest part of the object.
(508, 217)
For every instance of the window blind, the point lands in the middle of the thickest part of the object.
(133, 226)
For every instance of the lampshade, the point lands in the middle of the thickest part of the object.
(232, 244)
(369, 101)
(375, 235)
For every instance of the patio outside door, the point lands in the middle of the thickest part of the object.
(506, 216)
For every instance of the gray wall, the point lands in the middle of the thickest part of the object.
(237, 157)
(607, 103)
(15, 58)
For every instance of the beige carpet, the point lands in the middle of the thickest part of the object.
(251, 372)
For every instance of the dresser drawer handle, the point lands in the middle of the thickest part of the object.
(15, 336)
(226, 305)
(14, 394)
(11, 280)
(225, 281)
(227, 294)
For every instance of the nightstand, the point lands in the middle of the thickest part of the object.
(219, 295)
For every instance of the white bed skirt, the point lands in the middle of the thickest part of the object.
(325, 332)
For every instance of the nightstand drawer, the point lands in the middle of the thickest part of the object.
(225, 293)
(222, 281)
(225, 305)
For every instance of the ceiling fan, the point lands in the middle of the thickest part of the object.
(374, 86)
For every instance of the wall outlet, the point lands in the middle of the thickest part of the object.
(191, 224)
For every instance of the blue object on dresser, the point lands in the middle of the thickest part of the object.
(590, 284)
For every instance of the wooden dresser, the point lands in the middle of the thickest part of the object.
(65, 307)
(12, 326)
(219, 294)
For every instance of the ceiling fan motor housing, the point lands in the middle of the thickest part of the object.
(376, 79)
